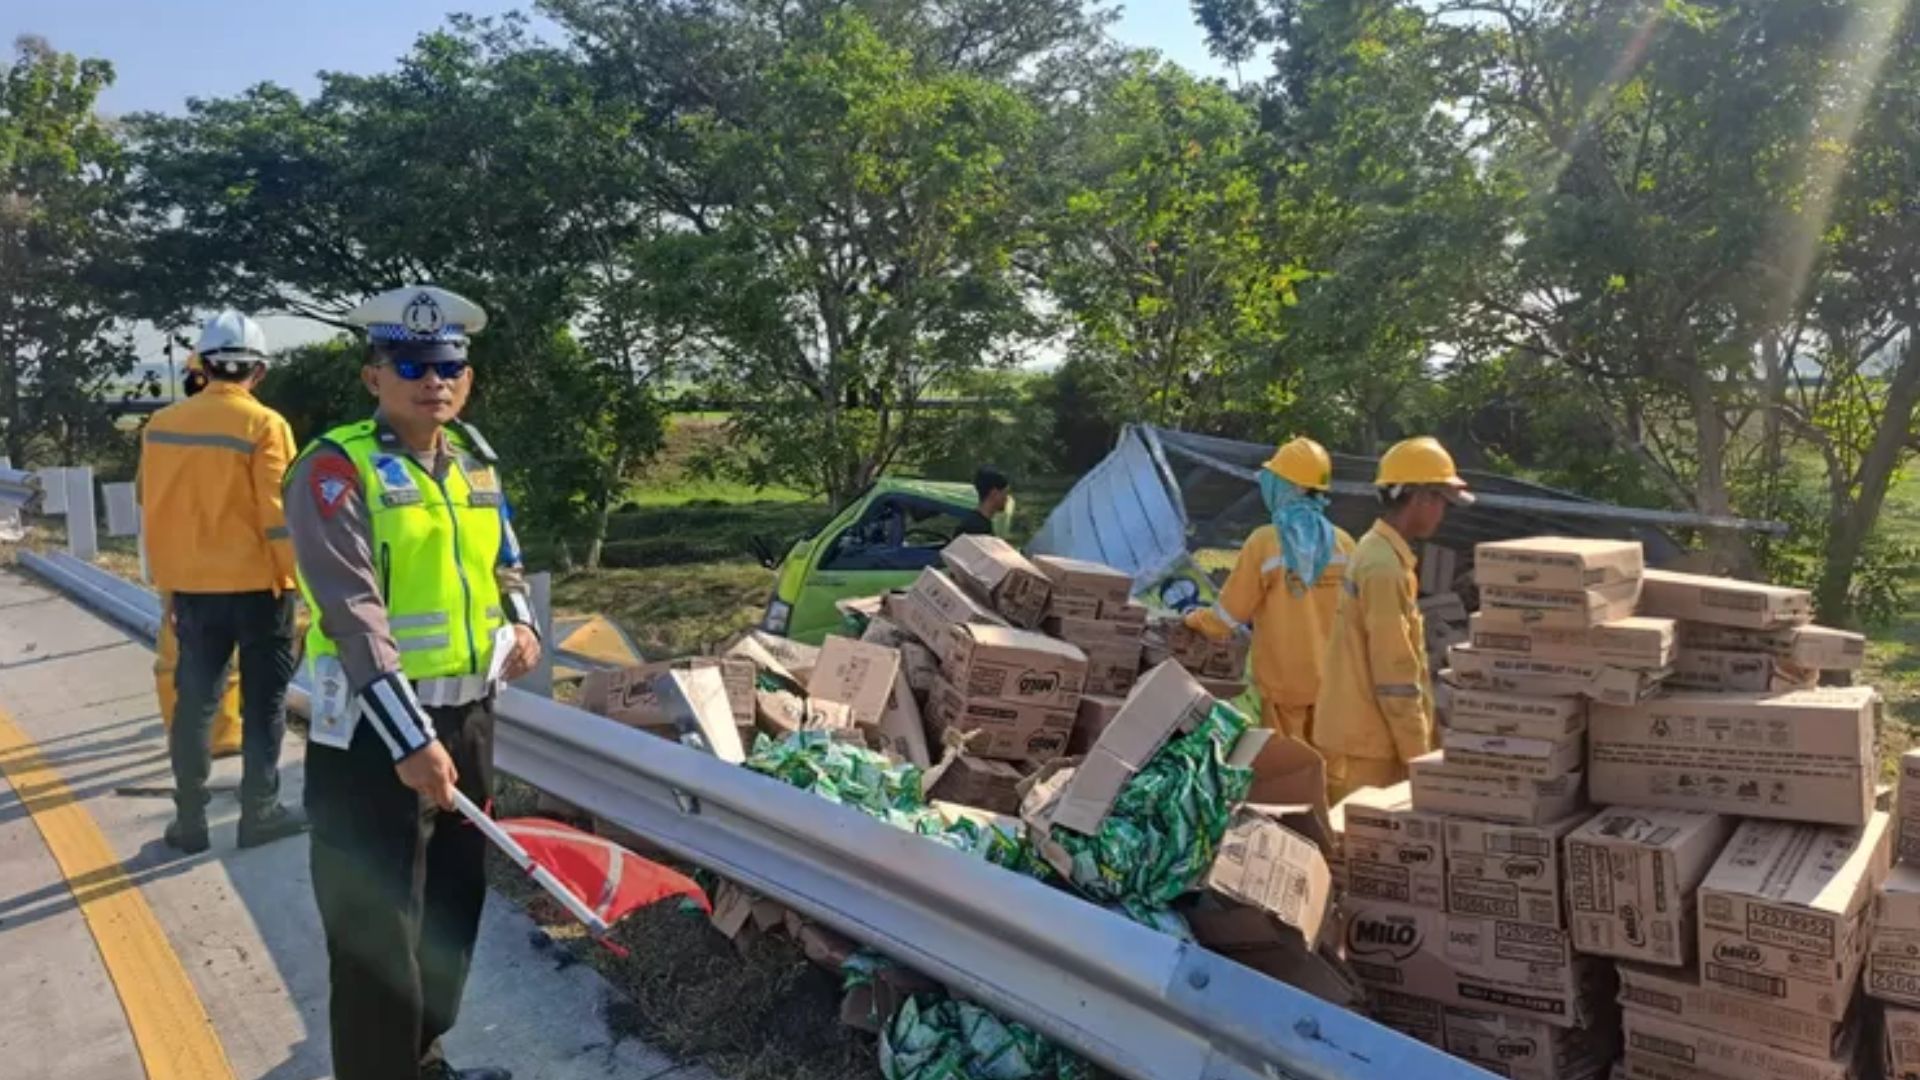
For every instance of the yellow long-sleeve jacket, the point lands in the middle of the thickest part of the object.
(1291, 620)
(211, 512)
(1376, 700)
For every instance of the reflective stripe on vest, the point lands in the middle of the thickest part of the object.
(434, 547)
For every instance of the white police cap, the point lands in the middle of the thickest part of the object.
(419, 315)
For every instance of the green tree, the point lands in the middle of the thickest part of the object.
(62, 217)
(1163, 253)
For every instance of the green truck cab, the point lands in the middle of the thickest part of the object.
(877, 542)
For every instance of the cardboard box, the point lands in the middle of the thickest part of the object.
(1538, 759)
(1251, 937)
(1096, 714)
(1441, 787)
(1907, 806)
(782, 657)
(1266, 866)
(1522, 1049)
(1557, 562)
(1498, 712)
(1893, 950)
(1131, 613)
(1723, 601)
(1005, 730)
(1506, 967)
(1080, 578)
(1508, 871)
(1019, 667)
(980, 783)
(1166, 700)
(1807, 646)
(1012, 586)
(859, 675)
(1806, 755)
(1288, 772)
(695, 700)
(1631, 876)
(934, 603)
(902, 731)
(1661, 1038)
(1113, 652)
(1200, 654)
(1060, 606)
(917, 661)
(1901, 1039)
(627, 694)
(1677, 994)
(1783, 912)
(1724, 671)
(1391, 851)
(1550, 678)
(1633, 642)
(1567, 609)
(1416, 1018)
(1439, 566)
(1446, 607)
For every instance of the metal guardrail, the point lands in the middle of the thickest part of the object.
(1135, 1001)
(19, 490)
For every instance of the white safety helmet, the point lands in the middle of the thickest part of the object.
(230, 341)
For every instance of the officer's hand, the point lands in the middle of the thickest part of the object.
(525, 654)
(431, 773)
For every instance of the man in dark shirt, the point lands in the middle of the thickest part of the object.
(995, 490)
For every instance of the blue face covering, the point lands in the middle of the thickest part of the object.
(1300, 517)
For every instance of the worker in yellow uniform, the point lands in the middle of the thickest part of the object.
(1375, 711)
(1286, 585)
(166, 657)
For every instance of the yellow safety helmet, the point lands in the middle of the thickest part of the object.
(1304, 463)
(1421, 460)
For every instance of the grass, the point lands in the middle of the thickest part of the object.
(671, 611)
(1893, 652)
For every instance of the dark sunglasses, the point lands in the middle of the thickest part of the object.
(415, 370)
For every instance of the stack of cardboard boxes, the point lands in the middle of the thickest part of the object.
(1092, 606)
(1893, 952)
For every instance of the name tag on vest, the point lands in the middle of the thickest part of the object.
(483, 485)
(396, 483)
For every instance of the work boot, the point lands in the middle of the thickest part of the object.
(440, 1070)
(187, 836)
(274, 822)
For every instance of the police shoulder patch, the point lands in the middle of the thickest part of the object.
(331, 480)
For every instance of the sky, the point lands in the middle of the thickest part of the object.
(167, 51)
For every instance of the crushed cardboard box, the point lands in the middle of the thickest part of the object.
(919, 663)
(1633, 642)
(628, 694)
(857, 674)
(1255, 939)
(1893, 952)
(1677, 994)
(1806, 755)
(1096, 713)
(934, 603)
(1165, 701)
(1507, 967)
(1499, 712)
(1518, 674)
(1002, 730)
(981, 783)
(781, 657)
(1264, 865)
(1661, 1038)
(1562, 563)
(1538, 759)
(1392, 851)
(1807, 646)
(695, 700)
(1013, 587)
(1723, 601)
(1199, 654)
(1558, 609)
(1510, 872)
(1440, 787)
(1018, 667)
(1782, 912)
(902, 732)
(1631, 878)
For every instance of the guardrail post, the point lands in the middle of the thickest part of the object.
(123, 512)
(53, 491)
(540, 679)
(83, 528)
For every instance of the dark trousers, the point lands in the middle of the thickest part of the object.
(210, 626)
(400, 887)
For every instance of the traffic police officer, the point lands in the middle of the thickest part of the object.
(409, 563)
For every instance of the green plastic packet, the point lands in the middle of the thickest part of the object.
(934, 1038)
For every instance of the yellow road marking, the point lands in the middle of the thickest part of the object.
(171, 1028)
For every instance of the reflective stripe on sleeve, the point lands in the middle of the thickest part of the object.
(1396, 690)
(1220, 612)
(519, 611)
(1274, 562)
(278, 532)
(394, 711)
